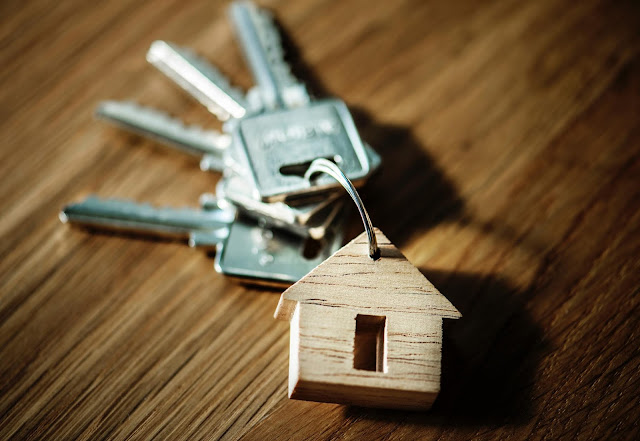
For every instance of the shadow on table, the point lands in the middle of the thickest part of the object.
(490, 357)
(411, 193)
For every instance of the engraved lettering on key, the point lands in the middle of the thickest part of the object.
(298, 132)
(273, 140)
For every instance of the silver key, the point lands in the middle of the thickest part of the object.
(256, 254)
(199, 78)
(275, 148)
(266, 256)
(170, 131)
(292, 137)
(311, 220)
(308, 220)
(261, 44)
(132, 217)
(272, 257)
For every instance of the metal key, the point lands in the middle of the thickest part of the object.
(275, 147)
(262, 47)
(281, 131)
(271, 136)
(199, 78)
(264, 255)
(310, 219)
(132, 217)
(268, 256)
(256, 253)
(169, 131)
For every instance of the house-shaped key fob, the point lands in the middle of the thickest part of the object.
(365, 332)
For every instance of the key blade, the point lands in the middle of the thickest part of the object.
(208, 240)
(161, 127)
(198, 78)
(127, 216)
(262, 48)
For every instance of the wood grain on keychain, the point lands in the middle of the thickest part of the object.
(365, 332)
(511, 163)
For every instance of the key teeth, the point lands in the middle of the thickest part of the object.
(126, 111)
(210, 70)
(160, 51)
(294, 92)
(272, 43)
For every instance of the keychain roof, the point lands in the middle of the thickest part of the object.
(366, 325)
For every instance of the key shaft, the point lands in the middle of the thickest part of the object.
(159, 126)
(262, 48)
(132, 217)
(198, 78)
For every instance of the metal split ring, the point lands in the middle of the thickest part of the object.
(322, 165)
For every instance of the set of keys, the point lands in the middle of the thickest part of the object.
(265, 213)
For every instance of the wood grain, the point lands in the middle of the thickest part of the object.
(351, 304)
(511, 146)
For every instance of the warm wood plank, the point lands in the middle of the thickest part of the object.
(511, 143)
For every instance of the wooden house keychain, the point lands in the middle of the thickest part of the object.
(365, 325)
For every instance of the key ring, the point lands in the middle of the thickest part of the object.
(322, 165)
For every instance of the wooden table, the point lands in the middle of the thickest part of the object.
(511, 139)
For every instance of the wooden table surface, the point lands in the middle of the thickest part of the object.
(510, 134)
